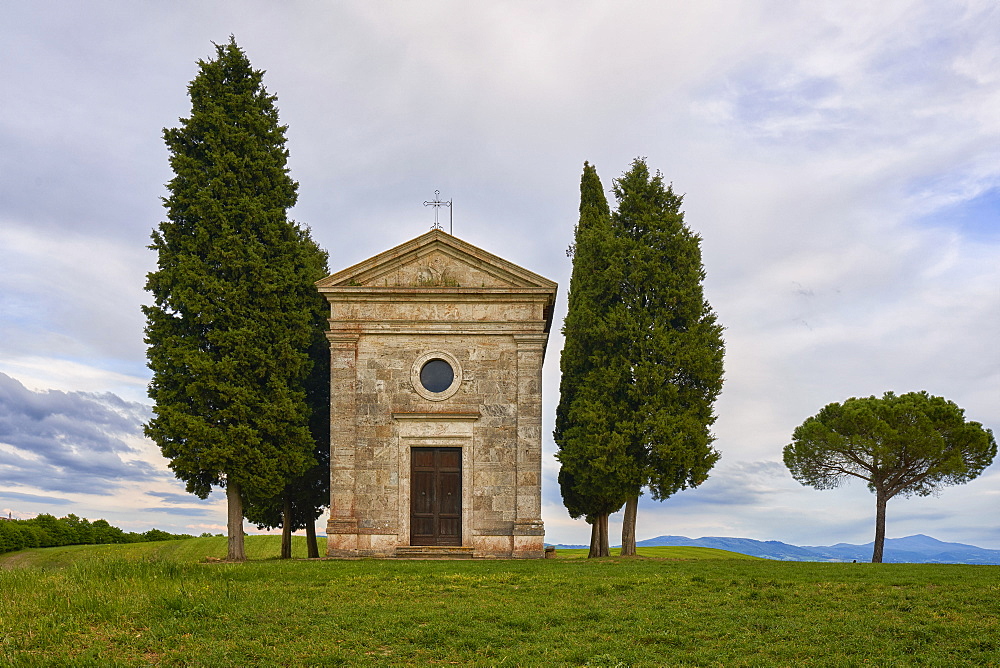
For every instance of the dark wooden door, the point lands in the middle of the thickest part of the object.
(435, 496)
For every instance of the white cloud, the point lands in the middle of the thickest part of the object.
(72, 302)
(48, 373)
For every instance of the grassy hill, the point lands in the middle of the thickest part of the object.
(193, 550)
(163, 604)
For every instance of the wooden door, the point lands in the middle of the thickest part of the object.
(435, 496)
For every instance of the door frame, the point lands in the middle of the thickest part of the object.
(433, 430)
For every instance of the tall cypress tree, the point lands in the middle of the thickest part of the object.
(232, 321)
(670, 343)
(304, 497)
(596, 473)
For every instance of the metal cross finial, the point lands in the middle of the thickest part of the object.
(437, 203)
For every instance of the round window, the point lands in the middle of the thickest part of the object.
(436, 375)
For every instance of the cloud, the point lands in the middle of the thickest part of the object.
(183, 512)
(174, 498)
(32, 498)
(69, 441)
(86, 302)
(739, 484)
(42, 373)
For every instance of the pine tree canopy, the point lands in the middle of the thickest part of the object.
(235, 310)
(908, 444)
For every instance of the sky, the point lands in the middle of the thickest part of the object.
(841, 161)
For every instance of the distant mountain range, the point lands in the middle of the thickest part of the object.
(917, 549)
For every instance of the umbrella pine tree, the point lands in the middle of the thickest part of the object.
(902, 445)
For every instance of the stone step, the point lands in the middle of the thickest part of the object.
(433, 552)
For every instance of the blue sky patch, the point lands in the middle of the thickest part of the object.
(978, 217)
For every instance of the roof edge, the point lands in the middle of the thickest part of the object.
(429, 238)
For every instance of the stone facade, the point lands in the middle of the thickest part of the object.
(436, 299)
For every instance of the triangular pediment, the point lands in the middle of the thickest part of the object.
(435, 260)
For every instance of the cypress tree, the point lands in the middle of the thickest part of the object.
(232, 322)
(669, 341)
(304, 497)
(595, 473)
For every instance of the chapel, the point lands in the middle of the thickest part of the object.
(436, 403)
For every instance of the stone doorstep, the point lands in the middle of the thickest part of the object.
(433, 552)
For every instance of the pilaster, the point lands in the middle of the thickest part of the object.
(528, 528)
(342, 527)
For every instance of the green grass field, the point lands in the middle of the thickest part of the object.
(162, 604)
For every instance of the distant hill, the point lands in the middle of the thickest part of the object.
(917, 549)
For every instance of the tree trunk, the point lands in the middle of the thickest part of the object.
(599, 537)
(628, 526)
(234, 501)
(880, 500)
(286, 527)
(595, 538)
(605, 550)
(311, 543)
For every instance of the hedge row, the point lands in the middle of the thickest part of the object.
(47, 531)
